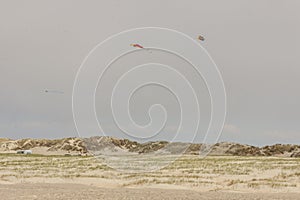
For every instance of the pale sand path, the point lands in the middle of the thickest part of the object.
(30, 191)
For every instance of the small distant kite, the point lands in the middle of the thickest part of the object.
(54, 91)
(201, 38)
(137, 46)
(141, 47)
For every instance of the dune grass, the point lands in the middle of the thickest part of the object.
(215, 172)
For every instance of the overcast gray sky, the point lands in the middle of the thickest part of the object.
(255, 44)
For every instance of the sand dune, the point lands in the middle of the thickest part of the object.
(241, 172)
(110, 145)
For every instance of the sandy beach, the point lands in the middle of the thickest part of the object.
(150, 100)
(189, 177)
(77, 191)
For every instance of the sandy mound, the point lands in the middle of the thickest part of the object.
(110, 145)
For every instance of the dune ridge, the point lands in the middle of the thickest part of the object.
(75, 145)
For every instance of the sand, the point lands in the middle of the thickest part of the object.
(77, 191)
(190, 177)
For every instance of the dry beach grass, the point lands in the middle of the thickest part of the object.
(229, 174)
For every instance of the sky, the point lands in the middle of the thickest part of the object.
(255, 45)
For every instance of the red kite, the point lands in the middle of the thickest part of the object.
(137, 46)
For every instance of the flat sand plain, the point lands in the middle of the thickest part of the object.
(189, 177)
(76, 191)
